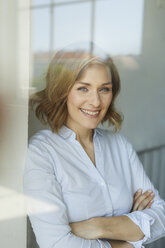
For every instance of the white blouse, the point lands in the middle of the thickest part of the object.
(63, 186)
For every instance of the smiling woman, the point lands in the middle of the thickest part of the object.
(89, 98)
(86, 180)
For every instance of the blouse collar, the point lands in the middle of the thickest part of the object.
(66, 132)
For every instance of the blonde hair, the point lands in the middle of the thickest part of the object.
(64, 69)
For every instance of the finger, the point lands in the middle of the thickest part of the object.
(146, 201)
(137, 194)
(143, 204)
(137, 200)
(150, 204)
(140, 199)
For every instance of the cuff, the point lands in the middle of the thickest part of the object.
(104, 244)
(144, 221)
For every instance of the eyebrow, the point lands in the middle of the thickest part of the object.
(108, 83)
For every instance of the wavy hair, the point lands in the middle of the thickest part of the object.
(64, 69)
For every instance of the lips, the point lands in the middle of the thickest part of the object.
(90, 112)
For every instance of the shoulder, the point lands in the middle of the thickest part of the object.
(115, 140)
(112, 137)
(40, 150)
(40, 136)
(43, 140)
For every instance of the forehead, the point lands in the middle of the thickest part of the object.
(95, 71)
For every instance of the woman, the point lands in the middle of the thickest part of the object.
(80, 179)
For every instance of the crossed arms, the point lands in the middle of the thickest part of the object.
(117, 229)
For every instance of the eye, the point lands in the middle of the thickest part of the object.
(105, 89)
(84, 89)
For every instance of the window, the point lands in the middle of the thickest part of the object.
(115, 25)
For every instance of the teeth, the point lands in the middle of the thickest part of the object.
(89, 112)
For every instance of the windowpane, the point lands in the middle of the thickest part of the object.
(119, 26)
(40, 2)
(65, 1)
(72, 24)
(40, 30)
(40, 44)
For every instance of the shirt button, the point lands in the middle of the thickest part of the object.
(103, 184)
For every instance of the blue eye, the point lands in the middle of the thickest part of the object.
(105, 89)
(84, 89)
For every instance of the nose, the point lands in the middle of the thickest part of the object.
(95, 99)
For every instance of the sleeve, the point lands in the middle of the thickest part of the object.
(151, 221)
(45, 206)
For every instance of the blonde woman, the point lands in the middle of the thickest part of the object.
(86, 186)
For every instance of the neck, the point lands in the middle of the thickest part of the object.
(83, 135)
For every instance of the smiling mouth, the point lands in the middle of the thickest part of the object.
(90, 113)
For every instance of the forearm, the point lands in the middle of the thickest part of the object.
(90, 229)
(119, 228)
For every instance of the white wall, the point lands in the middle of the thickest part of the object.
(14, 80)
(143, 83)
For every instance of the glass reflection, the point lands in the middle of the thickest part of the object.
(71, 24)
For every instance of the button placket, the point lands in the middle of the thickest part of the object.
(94, 170)
(103, 184)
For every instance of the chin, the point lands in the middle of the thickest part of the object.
(91, 125)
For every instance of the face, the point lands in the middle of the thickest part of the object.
(89, 98)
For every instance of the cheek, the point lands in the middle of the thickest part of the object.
(73, 100)
(107, 101)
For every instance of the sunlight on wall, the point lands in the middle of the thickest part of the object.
(15, 205)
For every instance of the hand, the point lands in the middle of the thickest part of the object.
(87, 229)
(142, 200)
